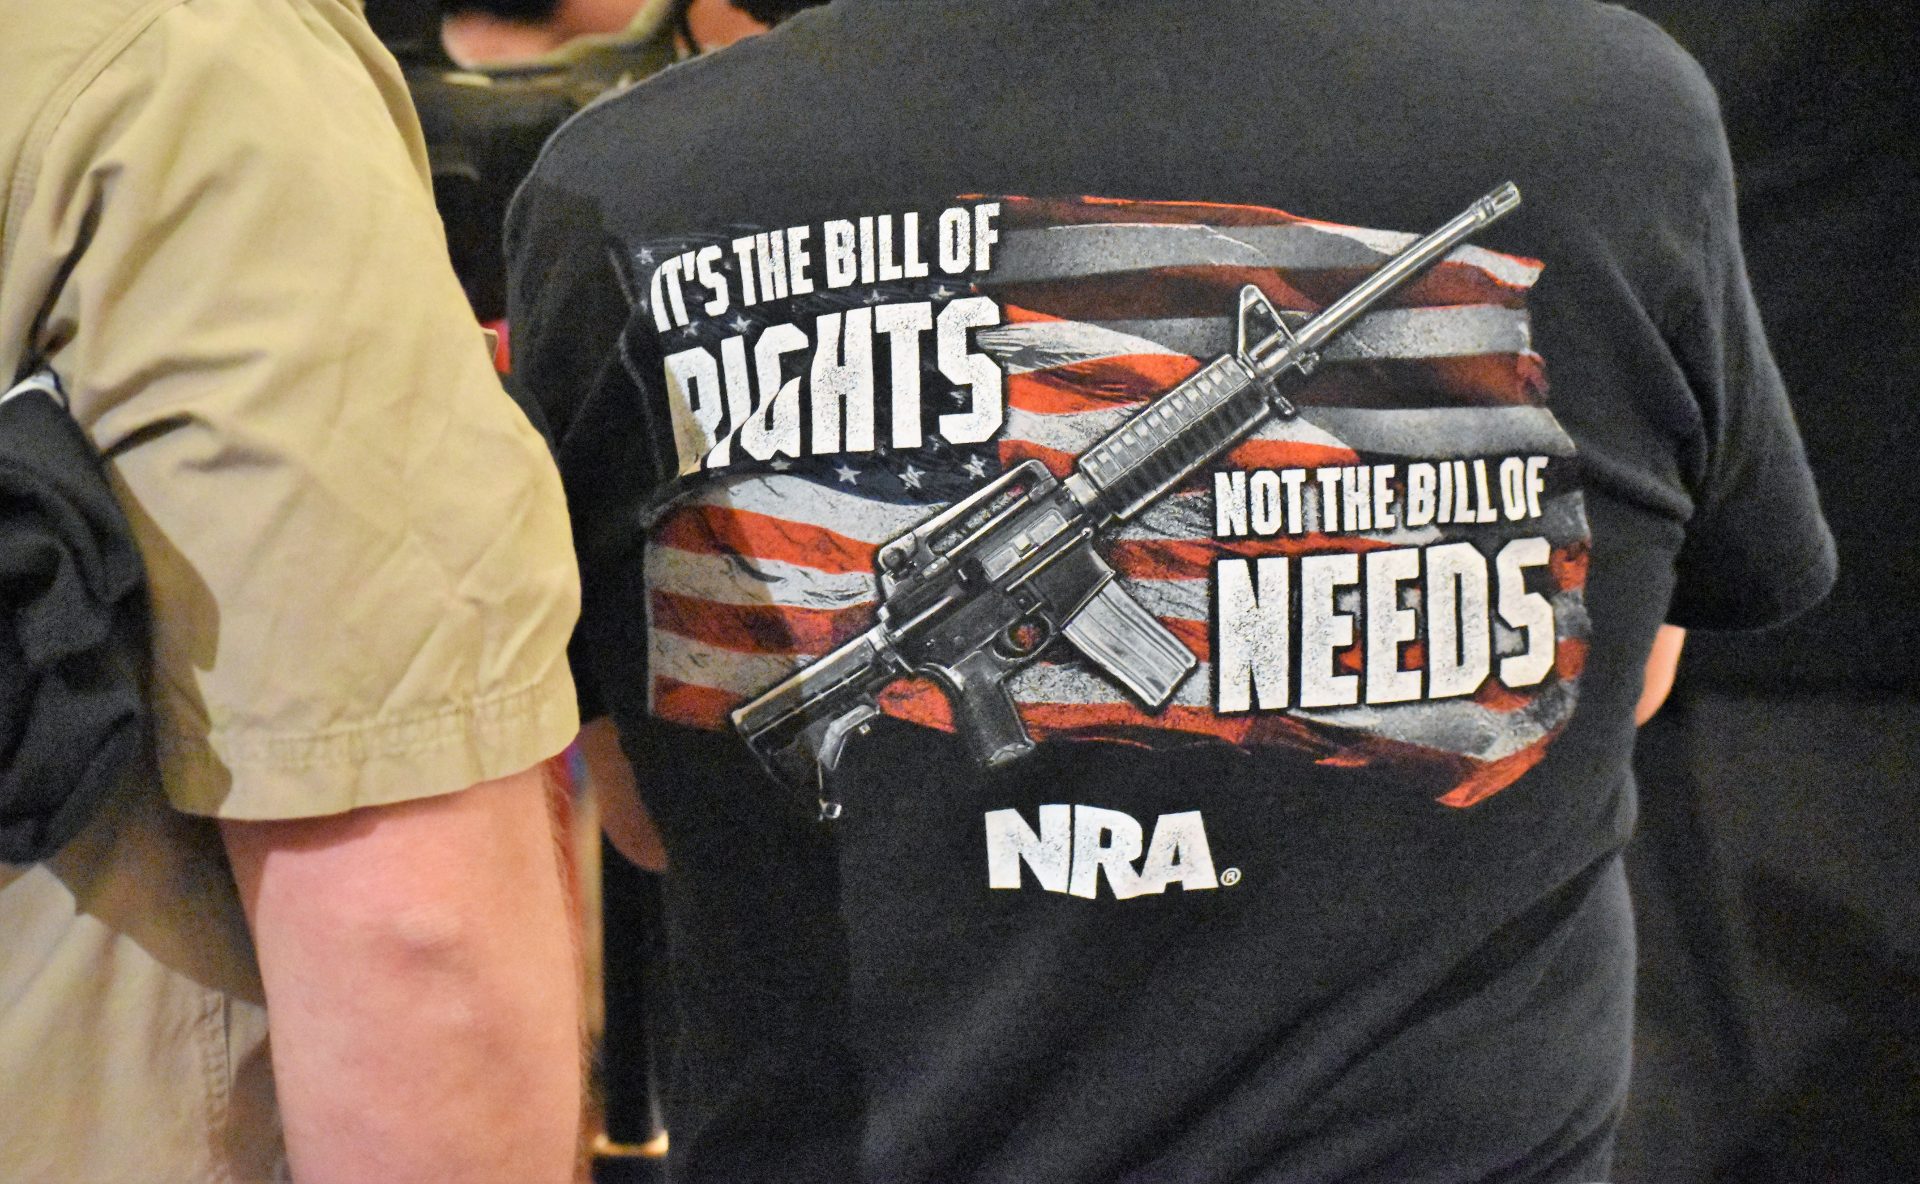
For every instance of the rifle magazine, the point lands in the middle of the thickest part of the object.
(1130, 645)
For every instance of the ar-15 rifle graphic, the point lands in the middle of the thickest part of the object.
(983, 588)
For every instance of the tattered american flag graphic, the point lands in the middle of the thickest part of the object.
(1107, 304)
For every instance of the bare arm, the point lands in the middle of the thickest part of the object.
(1662, 663)
(421, 990)
(622, 814)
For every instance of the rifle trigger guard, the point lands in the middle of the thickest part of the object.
(1024, 638)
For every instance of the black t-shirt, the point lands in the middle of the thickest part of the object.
(1311, 872)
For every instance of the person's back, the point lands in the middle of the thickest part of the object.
(1347, 906)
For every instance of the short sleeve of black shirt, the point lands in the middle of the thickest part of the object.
(1757, 550)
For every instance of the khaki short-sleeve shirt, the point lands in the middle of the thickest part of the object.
(219, 233)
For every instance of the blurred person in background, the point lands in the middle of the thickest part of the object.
(515, 72)
(500, 33)
(503, 32)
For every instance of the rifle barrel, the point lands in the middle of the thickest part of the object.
(1396, 271)
(1229, 398)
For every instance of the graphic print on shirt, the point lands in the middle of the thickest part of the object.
(1044, 469)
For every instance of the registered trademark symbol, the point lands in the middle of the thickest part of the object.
(1230, 877)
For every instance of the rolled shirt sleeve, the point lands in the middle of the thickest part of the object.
(362, 577)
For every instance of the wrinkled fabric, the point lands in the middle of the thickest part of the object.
(219, 232)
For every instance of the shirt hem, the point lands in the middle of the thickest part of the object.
(376, 763)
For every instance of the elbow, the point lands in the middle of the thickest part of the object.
(431, 940)
(453, 957)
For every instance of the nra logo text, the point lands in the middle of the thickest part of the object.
(1074, 845)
